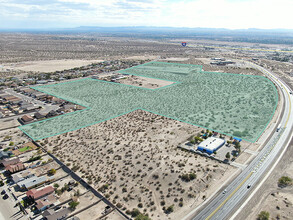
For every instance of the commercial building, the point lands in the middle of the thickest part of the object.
(211, 144)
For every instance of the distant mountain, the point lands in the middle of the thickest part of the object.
(272, 36)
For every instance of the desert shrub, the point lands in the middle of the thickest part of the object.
(263, 215)
(285, 181)
(169, 209)
(188, 177)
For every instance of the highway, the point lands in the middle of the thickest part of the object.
(225, 203)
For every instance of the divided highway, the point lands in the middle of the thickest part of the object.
(223, 205)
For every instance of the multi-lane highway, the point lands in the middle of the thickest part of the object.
(225, 203)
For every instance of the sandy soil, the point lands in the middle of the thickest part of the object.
(136, 156)
(145, 82)
(178, 59)
(17, 137)
(243, 158)
(140, 57)
(6, 123)
(48, 65)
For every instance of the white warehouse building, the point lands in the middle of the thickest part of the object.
(211, 144)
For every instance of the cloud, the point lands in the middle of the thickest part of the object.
(179, 13)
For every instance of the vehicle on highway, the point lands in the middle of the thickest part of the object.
(278, 128)
(224, 191)
(248, 186)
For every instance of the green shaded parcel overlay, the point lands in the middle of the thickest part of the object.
(232, 104)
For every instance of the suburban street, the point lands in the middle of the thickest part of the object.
(45, 107)
(224, 204)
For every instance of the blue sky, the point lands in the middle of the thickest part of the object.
(232, 14)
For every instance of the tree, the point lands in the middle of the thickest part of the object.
(198, 139)
(228, 155)
(135, 212)
(11, 143)
(263, 215)
(73, 204)
(51, 172)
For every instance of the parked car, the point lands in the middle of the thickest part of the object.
(3, 192)
(5, 196)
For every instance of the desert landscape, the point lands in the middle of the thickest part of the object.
(134, 161)
(48, 65)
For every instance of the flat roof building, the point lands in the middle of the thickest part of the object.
(211, 144)
(32, 182)
(17, 177)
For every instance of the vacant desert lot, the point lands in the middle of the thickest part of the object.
(48, 65)
(134, 160)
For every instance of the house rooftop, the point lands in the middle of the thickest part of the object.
(53, 215)
(47, 201)
(26, 118)
(31, 182)
(36, 194)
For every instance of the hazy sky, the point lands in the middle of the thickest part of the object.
(175, 13)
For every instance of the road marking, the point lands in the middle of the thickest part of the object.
(246, 178)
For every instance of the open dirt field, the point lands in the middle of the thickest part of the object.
(48, 65)
(149, 83)
(134, 160)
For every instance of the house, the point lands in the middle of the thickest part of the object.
(5, 154)
(42, 81)
(31, 182)
(11, 99)
(27, 118)
(67, 108)
(45, 202)
(56, 100)
(40, 95)
(51, 113)
(7, 162)
(13, 168)
(25, 105)
(25, 174)
(53, 215)
(38, 115)
(38, 194)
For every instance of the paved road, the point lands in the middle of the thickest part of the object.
(225, 202)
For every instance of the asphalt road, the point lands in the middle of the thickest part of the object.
(223, 205)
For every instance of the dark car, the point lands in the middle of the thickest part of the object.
(5, 196)
(248, 186)
(3, 192)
